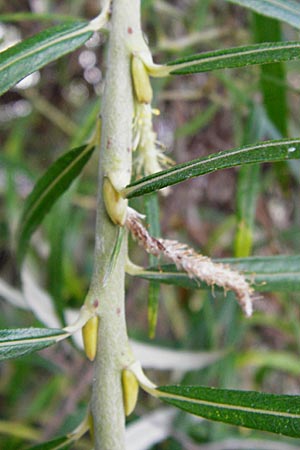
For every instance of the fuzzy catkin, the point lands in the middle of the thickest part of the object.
(195, 265)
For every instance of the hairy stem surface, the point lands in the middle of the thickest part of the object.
(107, 287)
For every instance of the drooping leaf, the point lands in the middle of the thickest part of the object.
(277, 360)
(268, 151)
(31, 16)
(248, 186)
(114, 253)
(199, 121)
(163, 358)
(20, 341)
(229, 58)
(150, 429)
(47, 190)
(284, 10)
(272, 76)
(35, 52)
(60, 443)
(152, 214)
(278, 414)
(271, 273)
(273, 80)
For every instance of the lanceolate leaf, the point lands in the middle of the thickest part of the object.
(236, 57)
(152, 214)
(60, 443)
(268, 151)
(273, 273)
(20, 341)
(31, 54)
(278, 414)
(285, 10)
(48, 189)
(272, 76)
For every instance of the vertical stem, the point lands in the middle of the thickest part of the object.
(108, 288)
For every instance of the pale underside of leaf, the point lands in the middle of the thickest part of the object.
(284, 10)
(152, 428)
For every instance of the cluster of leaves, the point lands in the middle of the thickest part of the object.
(276, 413)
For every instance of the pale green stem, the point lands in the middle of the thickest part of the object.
(107, 287)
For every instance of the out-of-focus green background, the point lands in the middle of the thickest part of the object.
(46, 394)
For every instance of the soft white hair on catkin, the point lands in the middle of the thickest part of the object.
(195, 265)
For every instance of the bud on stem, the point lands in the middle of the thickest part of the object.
(116, 205)
(90, 337)
(130, 391)
(141, 81)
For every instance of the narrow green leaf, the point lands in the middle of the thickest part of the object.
(276, 360)
(268, 151)
(20, 341)
(198, 122)
(152, 214)
(285, 10)
(247, 192)
(229, 58)
(270, 273)
(272, 76)
(46, 17)
(273, 80)
(60, 443)
(115, 253)
(35, 52)
(278, 414)
(47, 190)
(248, 186)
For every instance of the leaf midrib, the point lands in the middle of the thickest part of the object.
(26, 341)
(231, 55)
(50, 43)
(33, 207)
(227, 406)
(156, 179)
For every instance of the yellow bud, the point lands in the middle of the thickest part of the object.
(90, 337)
(141, 81)
(130, 391)
(116, 205)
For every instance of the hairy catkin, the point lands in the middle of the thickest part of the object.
(195, 265)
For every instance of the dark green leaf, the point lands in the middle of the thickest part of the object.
(285, 10)
(20, 341)
(30, 55)
(271, 273)
(47, 190)
(268, 151)
(272, 76)
(152, 214)
(278, 414)
(115, 252)
(248, 186)
(61, 443)
(229, 58)
(273, 87)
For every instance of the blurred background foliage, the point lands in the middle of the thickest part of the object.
(234, 212)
